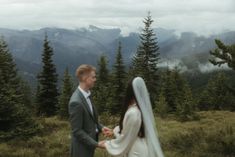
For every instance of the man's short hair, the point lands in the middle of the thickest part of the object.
(83, 70)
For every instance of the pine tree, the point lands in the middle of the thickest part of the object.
(27, 95)
(47, 83)
(177, 94)
(102, 91)
(103, 73)
(36, 100)
(15, 118)
(171, 88)
(216, 95)
(161, 105)
(118, 82)
(147, 58)
(67, 90)
(186, 107)
(224, 54)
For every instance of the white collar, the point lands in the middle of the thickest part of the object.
(85, 94)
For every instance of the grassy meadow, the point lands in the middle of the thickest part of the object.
(211, 136)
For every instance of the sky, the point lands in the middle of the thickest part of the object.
(204, 17)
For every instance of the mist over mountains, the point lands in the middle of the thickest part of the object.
(85, 45)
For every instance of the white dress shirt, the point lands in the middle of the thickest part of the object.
(86, 95)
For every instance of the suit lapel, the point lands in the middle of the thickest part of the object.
(94, 110)
(85, 103)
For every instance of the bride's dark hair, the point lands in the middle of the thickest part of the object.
(129, 97)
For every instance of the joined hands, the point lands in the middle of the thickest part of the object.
(107, 132)
(101, 144)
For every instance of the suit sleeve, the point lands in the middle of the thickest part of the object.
(76, 120)
(100, 127)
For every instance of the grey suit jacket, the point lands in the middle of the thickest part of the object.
(84, 136)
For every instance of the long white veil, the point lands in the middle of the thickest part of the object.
(144, 103)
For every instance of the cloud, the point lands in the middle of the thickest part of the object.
(201, 16)
(208, 67)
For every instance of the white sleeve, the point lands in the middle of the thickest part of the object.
(122, 144)
(116, 131)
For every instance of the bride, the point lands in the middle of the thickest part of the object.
(136, 134)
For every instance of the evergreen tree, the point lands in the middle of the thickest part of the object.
(15, 118)
(103, 72)
(27, 95)
(67, 90)
(118, 82)
(102, 92)
(186, 106)
(36, 99)
(217, 95)
(147, 58)
(47, 83)
(161, 105)
(224, 54)
(171, 87)
(177, 96)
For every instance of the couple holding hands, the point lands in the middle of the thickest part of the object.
(136, 135)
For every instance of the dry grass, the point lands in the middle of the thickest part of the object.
(211, 136)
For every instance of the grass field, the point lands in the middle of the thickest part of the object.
(211, 136)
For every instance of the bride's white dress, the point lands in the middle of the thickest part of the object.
(128, 143)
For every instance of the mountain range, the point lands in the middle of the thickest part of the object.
(86, 45)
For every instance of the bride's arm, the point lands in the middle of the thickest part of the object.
(116, 131)
(124, 141)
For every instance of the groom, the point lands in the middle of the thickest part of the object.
(83, 116)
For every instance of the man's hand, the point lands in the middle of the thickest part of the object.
(107, 132)
(101, 144)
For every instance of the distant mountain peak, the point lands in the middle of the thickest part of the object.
(84, 45)
(93, 28)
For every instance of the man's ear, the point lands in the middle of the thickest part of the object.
(84, 77)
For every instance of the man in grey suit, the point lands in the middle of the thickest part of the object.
(83, 116)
